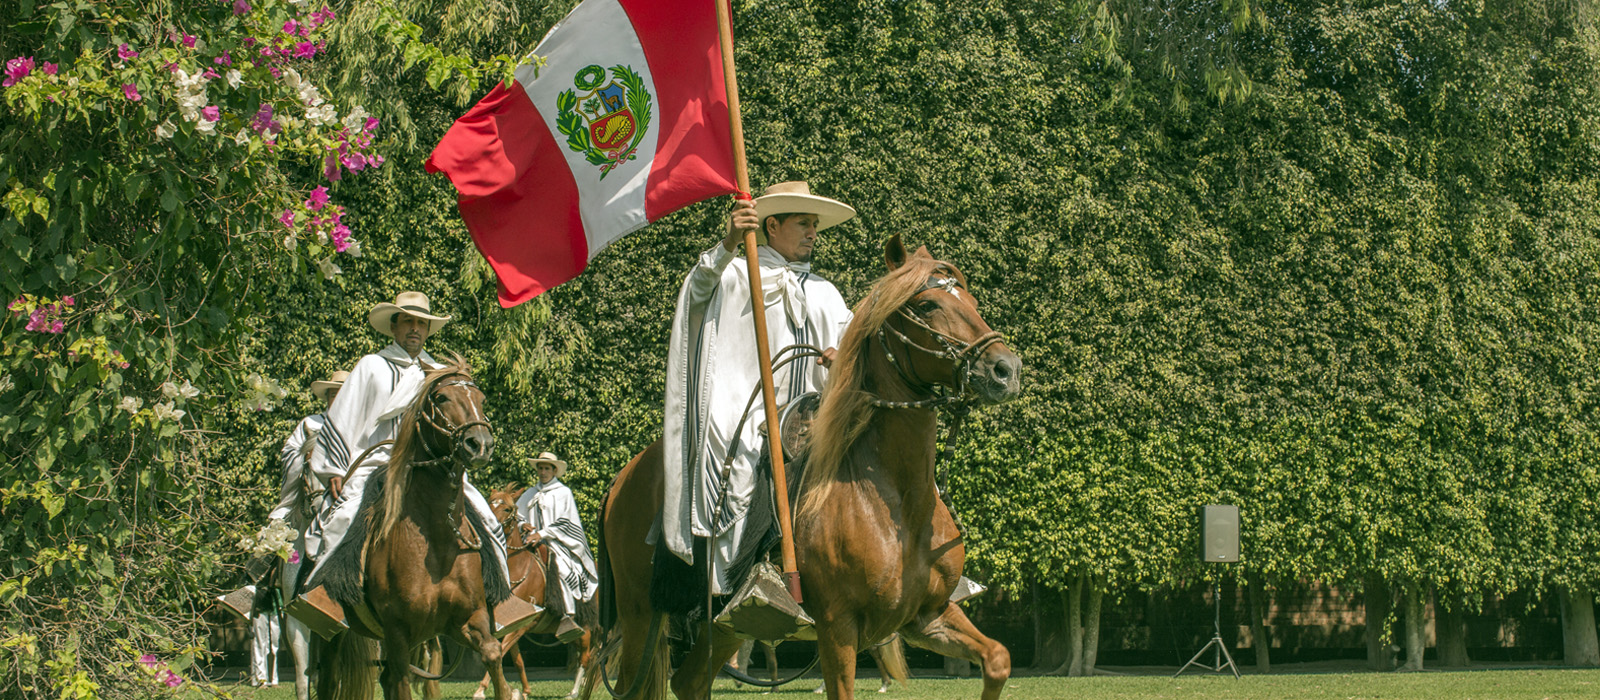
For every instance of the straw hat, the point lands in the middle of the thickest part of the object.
(796, 198)
(320, 389)
(548, 457)
(414, 303)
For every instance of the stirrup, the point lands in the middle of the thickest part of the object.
(568, 631)
(514, 615)
(762, 609)
(319, 613)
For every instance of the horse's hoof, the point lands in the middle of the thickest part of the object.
(479, 695)
(516, 694)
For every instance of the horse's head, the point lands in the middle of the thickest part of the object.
(504, 506)
(451, 426)
(937, 337)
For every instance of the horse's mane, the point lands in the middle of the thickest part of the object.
(846, 404)
(406, 446)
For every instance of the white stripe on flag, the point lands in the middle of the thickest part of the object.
(598, 32)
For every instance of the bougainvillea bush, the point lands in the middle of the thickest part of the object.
(158, 163)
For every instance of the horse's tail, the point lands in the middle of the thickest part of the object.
(428, 656)
(892, 659)
(351, 671)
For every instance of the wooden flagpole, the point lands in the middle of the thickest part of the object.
(791, 573)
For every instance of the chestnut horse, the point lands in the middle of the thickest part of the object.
(423, 570)
(529, 582)
(878, 551)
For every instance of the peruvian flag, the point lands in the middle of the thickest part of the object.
(625, 123)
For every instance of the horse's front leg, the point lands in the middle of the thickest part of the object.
(836, 650)
(300, 649)
(477, 634)
(694, 676)
(952, 634)
(585, 647)
(396, 676)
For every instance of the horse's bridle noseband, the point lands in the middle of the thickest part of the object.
(962, 356)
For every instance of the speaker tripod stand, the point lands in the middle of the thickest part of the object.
(1221, 650)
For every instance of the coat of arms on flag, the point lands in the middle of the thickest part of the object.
(607, 121)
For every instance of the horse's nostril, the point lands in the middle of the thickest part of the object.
(1002, 370)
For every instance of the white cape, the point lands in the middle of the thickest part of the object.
(711, 372)
(553, 513)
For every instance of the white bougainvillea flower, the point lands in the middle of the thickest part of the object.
(242, 138)
(166, 130)
(235, 79)
(327, 268)
(354, 249)
(131, 404)
(289, 242)
(165, 411)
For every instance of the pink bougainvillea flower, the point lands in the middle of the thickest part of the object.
(211, 113)
(371, 125)
(172, 67)
(240, 7)
(50, 68)
(287, 218)
(188, 40)
(17, 69)
(291, 27)
(148, 660)
(173, 680)
(330, 167)
(305, 49)
(226, 59)
(56, 327)
(126, 52)
(67, 300)
(130, 92)
(210, 74)
(294, 556)
(323, 15)
(319, 198)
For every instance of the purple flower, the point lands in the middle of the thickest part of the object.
(323, 15)
(294, 556)
(290, 27)
(209, 74)
(49, 68)
(148, 660)
(188, 40)
(173, 680)
(57, 326)
(319, 198)
(371, 125)
(305, 49)
(130, 92)
(330, 167)
(355, 162)
(17, 69)
(211, 113)
(224, 60)
(240, 7)
(125, 52)
(341, 238)
(287, 219)
(67, 300)
(172, 67)
(263, 122)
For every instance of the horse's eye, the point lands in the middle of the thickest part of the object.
(927, 307)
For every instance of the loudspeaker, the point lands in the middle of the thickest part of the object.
(1219, 533)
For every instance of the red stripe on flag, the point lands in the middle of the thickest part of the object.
(694, 151)
(516, 194)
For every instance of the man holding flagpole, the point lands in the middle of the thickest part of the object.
(712, 364)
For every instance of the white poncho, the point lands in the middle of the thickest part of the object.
(367, 411)
(553, 513)
(292, 458)
(711, 371)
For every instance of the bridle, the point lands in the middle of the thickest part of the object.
(963, 356)
(435, 419)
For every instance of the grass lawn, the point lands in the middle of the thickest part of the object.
(1551, 684)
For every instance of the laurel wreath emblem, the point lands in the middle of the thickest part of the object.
(572, 124)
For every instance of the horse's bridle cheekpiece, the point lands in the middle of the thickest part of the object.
(430, 410)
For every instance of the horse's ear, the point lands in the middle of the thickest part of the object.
(894, 253)
(515, 490)
(922, 253)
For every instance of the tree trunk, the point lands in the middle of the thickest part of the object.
(1072, 601)
(1091, 626)
(1580, 646)
(1258, 626)
(1416, 626)
(1450, 630)
(1050, 635)
(1379, 601)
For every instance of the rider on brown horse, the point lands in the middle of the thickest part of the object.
(366, 413)
(712, 366)
(549, 515)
